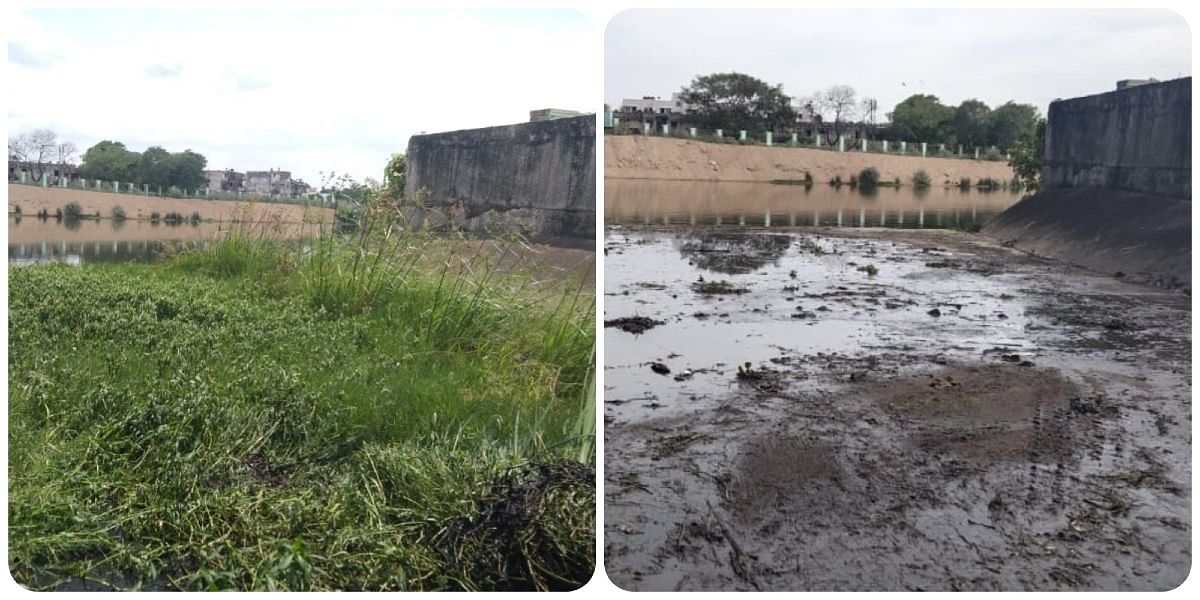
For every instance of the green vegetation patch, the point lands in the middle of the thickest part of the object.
(251, 417)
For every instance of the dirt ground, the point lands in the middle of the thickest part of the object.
(889, 410)
(32, 199)
(638, 157)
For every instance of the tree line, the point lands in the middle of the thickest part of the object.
(39, 150)
(112, 161)
(735, 101)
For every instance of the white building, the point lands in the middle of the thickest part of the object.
(655, 105)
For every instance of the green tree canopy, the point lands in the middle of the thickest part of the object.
(922, 118)
(971, 125)
(1012, 123)
(109, 161)
(154, 167)
(187, 169)
(1026, 158)
(734, 101)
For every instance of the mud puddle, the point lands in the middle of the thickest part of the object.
(885, 410)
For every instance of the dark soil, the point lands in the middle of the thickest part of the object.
(634, 325)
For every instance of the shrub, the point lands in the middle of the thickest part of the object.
(836, 181)
(808, 178)
(964, 183)
(72, 211)
(920, 179)
(853, 181)
(154, 217)
(869, 177)
(195, 217)
(173, 218)
(17, 210)
(987, 183)
(58, 214)
(118, 213)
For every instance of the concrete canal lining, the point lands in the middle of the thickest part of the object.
(1116, 186)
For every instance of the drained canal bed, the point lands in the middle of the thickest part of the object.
(888, 409)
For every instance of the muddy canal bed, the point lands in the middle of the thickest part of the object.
(888, 410)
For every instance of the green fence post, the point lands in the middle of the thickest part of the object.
(864, 145)
(818, 139)
(742, 134)
(885, 146)
(976, 152)
(692, 131)
(62, 182)
(841, 143)
(795, 138)
(666, 129)
(645, 129)
(903, 147)
(45, 180)
(960, 149)
(923, 148)
(768, 138)
(720, 134)
(24, 178)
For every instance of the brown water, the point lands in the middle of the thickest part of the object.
(36, 241)
(646, 202)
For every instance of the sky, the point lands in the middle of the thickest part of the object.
(302, 90)
(1030, 56)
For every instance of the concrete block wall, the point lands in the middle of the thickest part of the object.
(1136, 139)
(537, 179)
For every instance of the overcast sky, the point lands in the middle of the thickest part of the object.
(298, 90)
(1031, 56)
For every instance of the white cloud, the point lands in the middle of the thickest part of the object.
(1031, 56)
(334, 91)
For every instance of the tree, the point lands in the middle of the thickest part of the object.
(109, 161)
(1012, 123)
(922, 118)
(971, 124)
(394, 177)
(736, 101)
(38, 149)
(1026, 157)
(187, 169)
(838, 104)
(154, 168)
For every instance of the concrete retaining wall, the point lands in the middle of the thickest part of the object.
(1137, 139)
(1116, 186)
(537, 179)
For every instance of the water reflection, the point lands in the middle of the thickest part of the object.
(653, 202)
(38, 241)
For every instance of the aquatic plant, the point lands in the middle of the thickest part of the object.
(920, 179)
(154, 217)
(868, 177)
(118, 213)
(71, 211)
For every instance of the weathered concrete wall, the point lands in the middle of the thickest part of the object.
(1116, 186)
(1137, 139)
(537, 179)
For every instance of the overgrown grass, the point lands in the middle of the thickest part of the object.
(352, 414)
